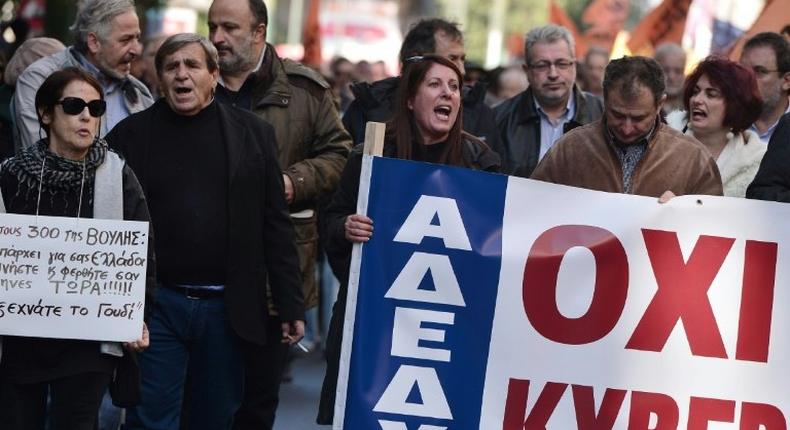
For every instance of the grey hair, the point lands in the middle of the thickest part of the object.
(548, 34)
(178, 41)
(668, 48)
(596, 50)
(95, 16)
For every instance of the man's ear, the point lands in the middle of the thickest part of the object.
(661, 101)
(94, 45)
(260, 32)
(786, 82)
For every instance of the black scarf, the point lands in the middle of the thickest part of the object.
(60, 174)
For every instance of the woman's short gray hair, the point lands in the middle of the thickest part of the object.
(548, 34)
(178, 41)
(95, 16)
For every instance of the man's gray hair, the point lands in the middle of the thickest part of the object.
(95, 16)
(668, 48)
(548, 34)
(178, 41)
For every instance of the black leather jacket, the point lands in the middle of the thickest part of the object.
(518, 123)
(376, 102)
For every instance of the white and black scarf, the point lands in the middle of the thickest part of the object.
(60, 173)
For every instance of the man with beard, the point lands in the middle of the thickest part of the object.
(107, 40)
(630, 150)
(532, 121)
(768, 54)
(672, 59)
(215, 192)
(312, 148)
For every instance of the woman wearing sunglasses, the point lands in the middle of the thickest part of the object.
(61, 176)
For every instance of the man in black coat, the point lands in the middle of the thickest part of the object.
(376, 101)
(772, 181)
(532, 121)
(215, 192)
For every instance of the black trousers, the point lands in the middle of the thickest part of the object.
(263, 371)
(75, 402)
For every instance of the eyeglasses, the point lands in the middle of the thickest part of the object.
(762, 71)
(545, 66)
(75, 106)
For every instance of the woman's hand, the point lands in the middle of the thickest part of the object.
(359, 228)
(140, 344)
(666, 197)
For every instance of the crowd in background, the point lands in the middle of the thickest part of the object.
(634, 125)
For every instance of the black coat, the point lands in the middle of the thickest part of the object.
(260, 237)
(376, 102)
(519, 124)
(772, 181)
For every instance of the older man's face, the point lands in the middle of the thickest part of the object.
(772, 84)
(231, 30)
(186, 81)
(551, 72)
(674, 65)
(114, 53)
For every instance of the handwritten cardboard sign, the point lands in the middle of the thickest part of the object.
(72, 278)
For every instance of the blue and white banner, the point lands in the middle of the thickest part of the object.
(492, 302)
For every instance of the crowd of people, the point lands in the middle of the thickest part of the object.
(244, 163)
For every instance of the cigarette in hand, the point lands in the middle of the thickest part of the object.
(299, 344)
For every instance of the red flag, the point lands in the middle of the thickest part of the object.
(664, 24)
(605, 19)
(311, 38)
(774, 17)
(558, 16)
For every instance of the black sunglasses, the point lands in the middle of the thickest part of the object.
(75, 106)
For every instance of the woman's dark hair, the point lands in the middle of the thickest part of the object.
(51, 91)
(738, 86)
(403, 128)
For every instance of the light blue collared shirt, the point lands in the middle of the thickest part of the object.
(551, 131)
(766, 136)
(113, 96)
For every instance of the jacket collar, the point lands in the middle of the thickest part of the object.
(271, 81)
(646, 140)
(372, 95)
(526, 111)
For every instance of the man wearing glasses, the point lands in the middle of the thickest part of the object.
(768, 54)
(532, 121)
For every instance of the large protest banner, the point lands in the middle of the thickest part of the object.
(72, 278)
(492, 302)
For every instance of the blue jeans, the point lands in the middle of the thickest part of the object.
(329, 287)
(109, 414)
(191, 343)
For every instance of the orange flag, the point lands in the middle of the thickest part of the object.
(558, 16)
(664, 24)
(775, 15)
(605, 19)
(311, 38)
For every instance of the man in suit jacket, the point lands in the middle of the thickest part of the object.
(215, 191)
